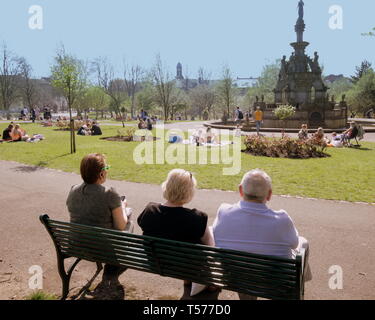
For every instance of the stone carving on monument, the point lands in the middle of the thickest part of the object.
(300, 84)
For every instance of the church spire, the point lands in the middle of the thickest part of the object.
(179, 75)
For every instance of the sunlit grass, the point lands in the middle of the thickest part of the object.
(348, 174)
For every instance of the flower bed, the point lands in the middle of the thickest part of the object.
(285, 147)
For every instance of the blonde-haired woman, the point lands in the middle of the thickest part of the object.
(18, 134)
(171, 220)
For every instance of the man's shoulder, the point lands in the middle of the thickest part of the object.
(281, 215)
(227, 207)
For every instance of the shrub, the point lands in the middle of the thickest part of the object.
(65, 124)
(126, 133)
(284, 148)
(284, 112)
(40, 295)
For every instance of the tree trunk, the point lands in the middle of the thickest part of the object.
(72, 133)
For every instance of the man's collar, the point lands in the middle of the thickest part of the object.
(254, 205)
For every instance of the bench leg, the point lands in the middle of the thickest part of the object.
(65, 276)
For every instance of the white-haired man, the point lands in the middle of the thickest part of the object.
(251, 226)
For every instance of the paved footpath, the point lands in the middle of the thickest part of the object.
(339, 233)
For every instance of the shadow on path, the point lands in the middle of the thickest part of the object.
(27, 169)
(40, 166)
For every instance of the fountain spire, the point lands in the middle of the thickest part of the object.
(300, 25)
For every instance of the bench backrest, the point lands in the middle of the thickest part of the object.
(257, 275)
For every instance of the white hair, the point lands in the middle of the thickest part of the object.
(256, 185)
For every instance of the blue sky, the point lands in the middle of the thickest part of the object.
(245, 34)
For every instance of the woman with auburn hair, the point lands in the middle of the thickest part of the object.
(92, 203)
(171, 220)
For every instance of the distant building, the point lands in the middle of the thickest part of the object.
(188, 84)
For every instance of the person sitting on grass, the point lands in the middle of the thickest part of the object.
(7, 133)
(95, 129)
(336, 141)
(18, 134)
(171, 220)
(91, 203)
(251, 226)
(303, 134)
(141, 124)
(318, 137)
(84, 131)
(149, 124)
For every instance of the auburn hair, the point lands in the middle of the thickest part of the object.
(91, 167)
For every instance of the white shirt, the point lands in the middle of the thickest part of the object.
(254, 228)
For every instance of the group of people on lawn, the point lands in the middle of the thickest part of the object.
(90, 129)
(248, 225)
(337, 140)
(14, 133)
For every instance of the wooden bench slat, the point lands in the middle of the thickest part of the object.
(214, 265)
(78, 245)
(115, 260)
(208, 271)
(286, 269)
(223, 278)
(100, 242)
(113, 237)
(236, 286)
(287, 263)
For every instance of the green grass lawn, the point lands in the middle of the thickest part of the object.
(349, 174)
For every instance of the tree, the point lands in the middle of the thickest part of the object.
(266, 83)
(202, 99)
(361, 70)
(9, 78)
(145, 97)
(28, 87)
(204, 76)
(362, 96)
(94, 98)
(226, 91)
(114, 87)
(69, 75)
(340, 87)
(164, 86)
(132, 77)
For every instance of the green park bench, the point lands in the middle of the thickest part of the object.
(252, 274)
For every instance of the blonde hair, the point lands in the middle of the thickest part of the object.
(179, 187)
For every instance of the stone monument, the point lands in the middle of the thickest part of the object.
(300, 84)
